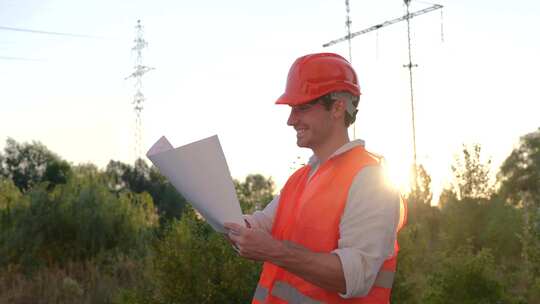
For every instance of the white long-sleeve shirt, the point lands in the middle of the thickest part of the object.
(367, 228)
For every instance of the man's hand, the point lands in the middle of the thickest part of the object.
(254, 244)
(322, 269)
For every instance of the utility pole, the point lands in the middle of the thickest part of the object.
(410, 65)
(348, 23)
(138, 98)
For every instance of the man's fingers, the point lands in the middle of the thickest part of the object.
(236, 248)
(233, 237)
(228, 225)
(233, 227)
(226, 235)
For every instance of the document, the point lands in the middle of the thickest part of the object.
(200, 173)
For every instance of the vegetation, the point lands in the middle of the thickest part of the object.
(78, 234)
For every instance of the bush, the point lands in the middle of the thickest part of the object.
(76, 221)
(194, 264)
(464, 277)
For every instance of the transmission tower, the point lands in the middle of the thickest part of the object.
(409, 65)
(138, 98)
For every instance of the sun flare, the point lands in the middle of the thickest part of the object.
(398, 175)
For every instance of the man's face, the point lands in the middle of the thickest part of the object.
(312, 123)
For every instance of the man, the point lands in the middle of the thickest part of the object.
(330, 236)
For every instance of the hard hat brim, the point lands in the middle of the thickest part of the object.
(293, 100)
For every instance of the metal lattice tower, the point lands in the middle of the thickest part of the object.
(138, 98)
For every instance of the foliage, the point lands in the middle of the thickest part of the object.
(465, 250)
(255, 192)
(78, 234)
(471, 176)
(29, 164)
(11, 200)
(499, 231)
(519, 180)
(520, 172)
(76, 221)
(141, 178)
(421, 194)
(93, 281)
(416, 239)
(419, 203)
(464, 277)
(194, 264)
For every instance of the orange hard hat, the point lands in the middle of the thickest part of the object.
(315, 75)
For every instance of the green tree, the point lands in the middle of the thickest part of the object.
(9, 194)
(464, 206)
(418, 237)
(29, 164)
(519, 175)
(471, 175)
(10, 198)
(255, 192)
(500, 232)
(142, 178)
(194, 264)
(419, 199)
(519, 179)
(464, 277)
(75, 221)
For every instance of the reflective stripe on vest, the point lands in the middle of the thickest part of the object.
(260, 293)
(290, 294)
(286, 292)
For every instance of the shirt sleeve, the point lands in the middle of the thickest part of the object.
(367, 230)
(264, 219)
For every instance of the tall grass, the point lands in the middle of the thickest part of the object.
(94, 281)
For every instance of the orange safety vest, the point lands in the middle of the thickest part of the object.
(308, 215)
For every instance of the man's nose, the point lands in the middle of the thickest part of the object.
(293, 118)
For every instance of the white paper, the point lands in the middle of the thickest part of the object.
(199, 172)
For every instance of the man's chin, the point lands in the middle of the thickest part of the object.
(302, 143)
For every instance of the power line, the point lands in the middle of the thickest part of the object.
(31, 31)
(16, 29)
(386, 23)
(19, 58)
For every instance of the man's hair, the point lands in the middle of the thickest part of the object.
(328, 100)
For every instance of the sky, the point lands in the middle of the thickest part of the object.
(220, 65)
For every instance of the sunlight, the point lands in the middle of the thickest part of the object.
(398, 175)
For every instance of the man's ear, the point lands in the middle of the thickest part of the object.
(338, 109)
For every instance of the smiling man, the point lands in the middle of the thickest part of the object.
(330, 236)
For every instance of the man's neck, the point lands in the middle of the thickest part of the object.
(335, 142)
